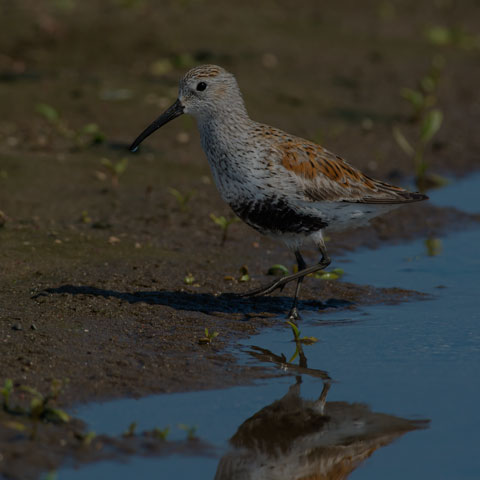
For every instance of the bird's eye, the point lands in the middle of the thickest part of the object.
(201, 86)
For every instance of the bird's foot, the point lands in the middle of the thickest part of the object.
(294, 315)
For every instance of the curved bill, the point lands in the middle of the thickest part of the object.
(172, 112)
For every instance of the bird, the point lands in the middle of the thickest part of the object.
(284, 186)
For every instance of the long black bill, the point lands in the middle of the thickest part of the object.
(173, 112)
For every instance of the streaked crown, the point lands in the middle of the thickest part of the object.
(207, 90)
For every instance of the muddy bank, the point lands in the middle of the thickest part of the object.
(119, 320)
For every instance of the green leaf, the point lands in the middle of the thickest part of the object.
(278, 269)
(183, 60)
(294, 356)
(220, 221)
(431, 125)
(161, 67)
(296, 331)
(182, 199)
(428, 84)
(121, 166)
(439, 36)
(31, 391)
(107, 163)
(160, 433)
(37, 407)
(327, 276)
(88, 437)
(19, 427)
(48, 112)
(308, 340)
(93, 130)
(59, 414)
(90, 129)
(403, 143)
(244, 275)
(434, 246)
(191, 430)
(130, 432)
(415, 97)
(7, 391)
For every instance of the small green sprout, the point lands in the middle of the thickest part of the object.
(429, 121)
(298, 339)
(419, 101)
(6, 392)
(434, 246)
(51, 115)
(183, 61)
(295, 330)
(18, 426)
(89, 133)
(244, 275)
(326, 276)
(278, 269)
(161, 434)
(334, 274)
(85, 218)
(85, 438)
(441, 36)
(130, 431)
(191, 431)
(88, 438)
(48, 112)
(182, 199)
(161, 67)
(189, 279)
(224, 223)
(208, 337)
(429, 127)
(39, 408)
(116, 170)
(92, 132)
(425, 95)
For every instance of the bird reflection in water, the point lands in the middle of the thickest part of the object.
(294, 438)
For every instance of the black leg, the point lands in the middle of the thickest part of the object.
(324, 263)
(293, 314)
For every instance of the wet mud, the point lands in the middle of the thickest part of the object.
(111, 266)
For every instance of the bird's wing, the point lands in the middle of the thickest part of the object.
(324, 176)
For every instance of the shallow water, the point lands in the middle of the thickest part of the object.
(416, 360)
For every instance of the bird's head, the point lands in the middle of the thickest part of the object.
(204, 92)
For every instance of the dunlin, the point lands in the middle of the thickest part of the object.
(279, 184)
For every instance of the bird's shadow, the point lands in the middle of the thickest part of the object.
(201, 302)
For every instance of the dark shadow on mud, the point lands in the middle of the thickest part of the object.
(201, 302)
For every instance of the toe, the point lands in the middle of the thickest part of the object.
(294, 314)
